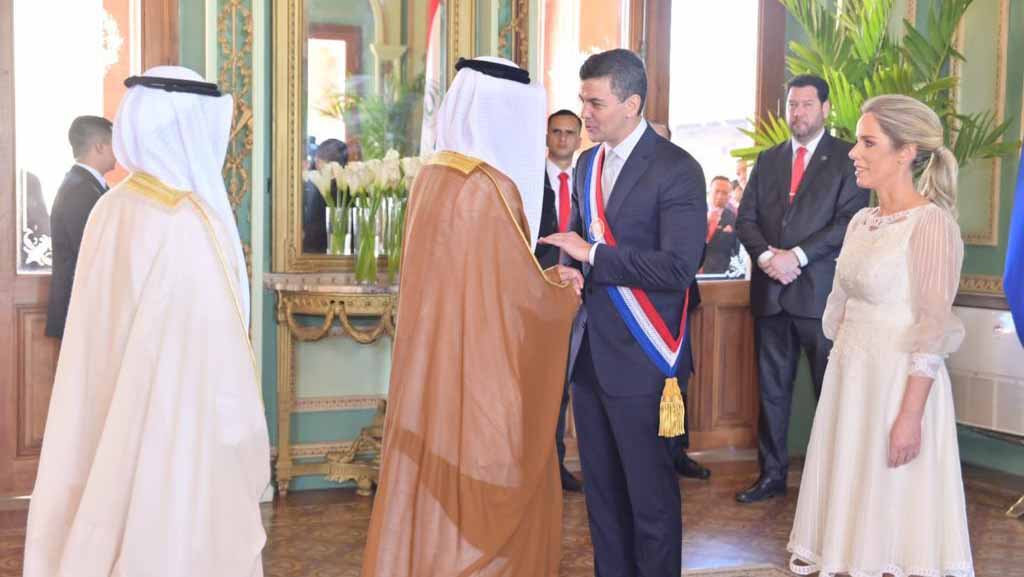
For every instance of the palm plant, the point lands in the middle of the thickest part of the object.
(849, 45)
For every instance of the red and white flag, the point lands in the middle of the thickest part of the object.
(432, 89)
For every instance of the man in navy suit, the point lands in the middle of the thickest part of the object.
(654, 209)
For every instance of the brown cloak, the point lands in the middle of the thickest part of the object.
(469, 480)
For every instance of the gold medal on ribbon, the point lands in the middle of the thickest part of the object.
(597, 231)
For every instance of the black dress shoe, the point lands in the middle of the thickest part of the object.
(764, 488)
(687, 467)
(570, 483)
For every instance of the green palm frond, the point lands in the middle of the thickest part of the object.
(767, 133)
(827, 44)
(849, 45)
(979, 136)
(929, 52)
(865, 23)
(846, 100)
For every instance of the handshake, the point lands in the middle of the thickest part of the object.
(782, 265)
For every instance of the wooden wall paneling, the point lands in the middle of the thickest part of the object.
(723, 395)
(37, 364)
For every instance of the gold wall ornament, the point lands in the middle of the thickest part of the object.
(333, 297)
(986, 285)
(339, 402)
(360, 461)
(235, 38)
(517, 30)
(461, 21)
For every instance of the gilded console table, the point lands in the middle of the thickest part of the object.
(335, 297)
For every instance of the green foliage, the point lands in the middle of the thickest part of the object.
(384, 118)
(381, 121)
(850, 46)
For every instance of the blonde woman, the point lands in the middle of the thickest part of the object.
(881, 492)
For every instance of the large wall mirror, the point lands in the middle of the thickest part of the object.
(353, 79)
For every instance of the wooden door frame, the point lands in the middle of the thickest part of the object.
(651, 37)
(160, 31)
(26, 364)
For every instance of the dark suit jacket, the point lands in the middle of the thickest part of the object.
(314, 220)
(75, 199)
(816, 221)
(723, 244)
(547, 255)
(658, 214)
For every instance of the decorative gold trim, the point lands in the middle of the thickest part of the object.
(451, 159)
(523, 235)
(519, 29)
(154, 189)
(337, 403)
(235, 37)
(336, 306)
(987, 285)
(318, 450)
(461, 20)
(229, 278)
(990, 235)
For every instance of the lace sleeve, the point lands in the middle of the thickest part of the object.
(936, 255)
(835, 306)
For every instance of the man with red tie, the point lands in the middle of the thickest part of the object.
(798, 201)
(563, 140)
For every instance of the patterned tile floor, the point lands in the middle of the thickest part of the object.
(321, 533)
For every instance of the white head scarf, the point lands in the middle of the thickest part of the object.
(182, 139)
(502, 123)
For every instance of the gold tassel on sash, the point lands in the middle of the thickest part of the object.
(672, 410)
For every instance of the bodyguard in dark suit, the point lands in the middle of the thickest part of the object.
(563, 140)
(799, 199)
(314, 207)
(723, 243)
(90, 144)
(655, 206)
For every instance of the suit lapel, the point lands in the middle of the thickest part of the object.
(83, 173)
(630, 174)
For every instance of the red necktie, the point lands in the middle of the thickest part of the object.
(798, 172)
(713, 219)
(563, 202)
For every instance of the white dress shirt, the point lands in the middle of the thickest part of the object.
(95, 173)
(810, 146)
(614, 159)
(553, 172)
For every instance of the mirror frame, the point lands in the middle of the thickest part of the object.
(289, 27)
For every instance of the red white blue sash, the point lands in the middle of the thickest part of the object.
(633, 304)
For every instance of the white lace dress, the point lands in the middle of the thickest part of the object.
(889, 315)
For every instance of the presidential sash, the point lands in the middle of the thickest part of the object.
(635, 307)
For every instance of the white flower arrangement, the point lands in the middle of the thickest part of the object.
(367, 187)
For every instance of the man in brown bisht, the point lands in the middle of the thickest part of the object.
(469, 480)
